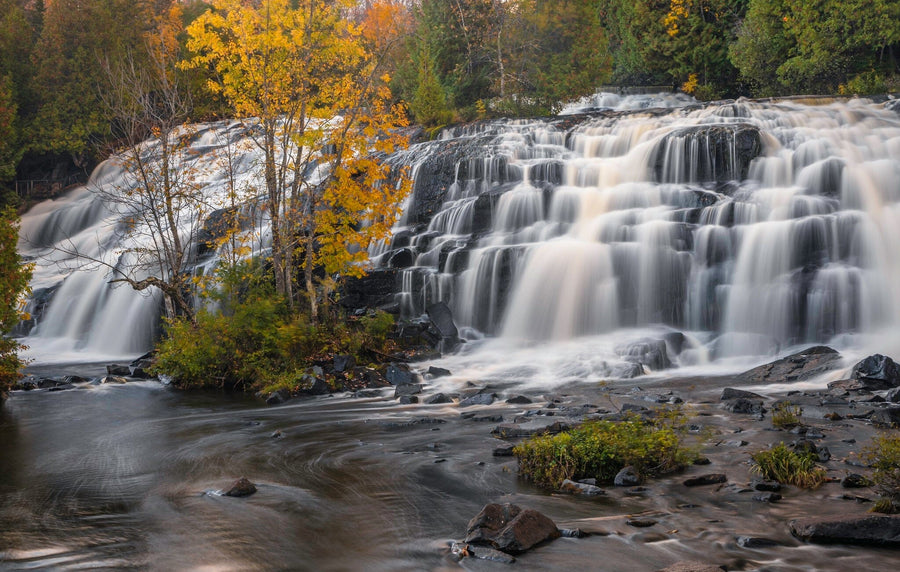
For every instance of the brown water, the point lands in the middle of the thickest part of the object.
(125, 477)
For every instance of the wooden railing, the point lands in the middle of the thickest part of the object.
(46, 188)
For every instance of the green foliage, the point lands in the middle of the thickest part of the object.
(786, 415)
(251, 340)
(14, 276)
(600, 449)
(789, 467)
(866, 83)
(429, 103)
(883, 454)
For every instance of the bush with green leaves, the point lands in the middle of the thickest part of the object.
(789, 467)
(600, 449)
(883, 454)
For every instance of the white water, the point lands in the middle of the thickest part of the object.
(561, 240)
(624, 227)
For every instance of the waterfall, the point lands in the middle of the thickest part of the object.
(746, 227)
(727, 231)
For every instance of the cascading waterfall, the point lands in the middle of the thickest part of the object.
(746, 227)
(727, 230)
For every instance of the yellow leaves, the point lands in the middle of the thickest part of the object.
(678, 10)
(690, 86)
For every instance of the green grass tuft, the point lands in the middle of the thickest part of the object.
(789, 467)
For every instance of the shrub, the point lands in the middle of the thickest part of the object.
(786, 415)
(789, 467)
(883, 454)
(600, 449)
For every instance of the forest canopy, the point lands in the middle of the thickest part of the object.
(453, 60)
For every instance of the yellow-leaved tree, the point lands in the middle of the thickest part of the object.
(298, 73)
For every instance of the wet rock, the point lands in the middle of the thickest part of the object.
(62, 387)
(767, 497)
(707, 479)
(755, 542)
(344, 363)
(114, 379)
(855, 481)
(278, 397)
(730, 393)
(312, 385)
(893, 396)
(530, 428)
(438, 398)
(240, 488)
(744, 406)
(400, 374)
(877, 372)
(692, 566)
(627, 477)
(461, 550)
(640, 522)
(807, 447)
(406, 424)
(646, 351)
(407, 399)
(570, 486)
(375, 289)
(879, 530)
(478, 399)
(117, 369)
(407, 389)
(886, 417)
(573, 533)
(442, 319)
(771, 486)
(519, 400)
(716, 153)
(510, 528)
(436, 372)
(504, 451)
(795, 367)
(363, 393)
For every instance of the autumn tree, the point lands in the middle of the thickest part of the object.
(299, 75)
(14, 276)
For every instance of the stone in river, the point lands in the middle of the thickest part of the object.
(240, 488)
(510, 528)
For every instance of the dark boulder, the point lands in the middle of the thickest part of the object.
(519, 400)
(478, 399)
(442, 320)
(755, 542)
(313, 385)
(536, 427)
(646, 351)
(627, 477)
(855, 481)
(278, 397)
(702, 480)
(117, 369)
(509, 528)
(744, 405)
(438, 398)
(868, 529)
(436, 372)
(795, 367)
(374, 290)
(344, 363)
(240, 488)
(730, 393)
(887, 417)
(407, 389)
(402, 258)
(878, 372)
(400, 374)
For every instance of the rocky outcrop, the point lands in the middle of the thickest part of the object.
(240, 488)
(877, 372)
(868, 529)
(510, 528)
(707, 153)
(795, 367)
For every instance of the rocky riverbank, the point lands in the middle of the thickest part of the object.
(718, 500)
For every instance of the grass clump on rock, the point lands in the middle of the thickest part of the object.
(786, 415)
(883, 454)
(600, 449)
(789, 467)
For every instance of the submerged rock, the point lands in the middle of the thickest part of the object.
(692, 566)
(570, 486)
(510, 528)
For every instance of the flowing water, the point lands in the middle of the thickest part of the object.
(729, 232)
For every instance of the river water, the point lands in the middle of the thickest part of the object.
(128, 477)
